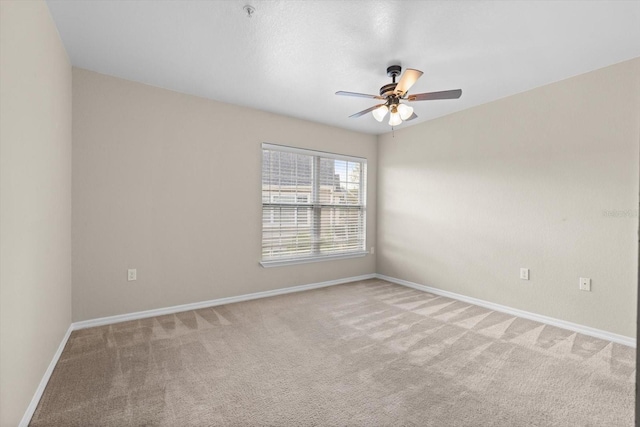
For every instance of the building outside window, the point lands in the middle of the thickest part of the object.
(313, 205)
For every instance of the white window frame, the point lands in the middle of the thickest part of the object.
(317, 206)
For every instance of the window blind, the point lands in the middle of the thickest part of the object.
(313, 204)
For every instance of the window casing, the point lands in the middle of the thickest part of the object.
(313, 205)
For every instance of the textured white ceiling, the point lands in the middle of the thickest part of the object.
(292, 56)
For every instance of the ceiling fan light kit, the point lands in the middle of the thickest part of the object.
(394, 117)
(380, 112)
(405, 111)
(393, 93)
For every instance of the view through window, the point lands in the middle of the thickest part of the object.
(313, 204)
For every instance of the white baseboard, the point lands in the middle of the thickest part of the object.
(26, 419)
(212, 303)
(31, 409)
(586, 330)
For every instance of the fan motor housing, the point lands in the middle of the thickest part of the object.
(387, 90)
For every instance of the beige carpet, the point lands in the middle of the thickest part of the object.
(369, 353)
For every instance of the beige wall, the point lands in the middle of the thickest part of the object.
(170, 184)
(35, 200)
(466, 200)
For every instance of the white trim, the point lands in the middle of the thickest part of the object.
(26, 418)
(212, 303)
(307, 152)
(293, 261)
(31, 409)
(586, 330)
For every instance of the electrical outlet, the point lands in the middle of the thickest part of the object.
(524, 273)
(585, 284)
(132, 274)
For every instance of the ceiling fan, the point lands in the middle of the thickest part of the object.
(393, 93)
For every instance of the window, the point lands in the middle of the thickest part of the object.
(313, 205)
(298, 218)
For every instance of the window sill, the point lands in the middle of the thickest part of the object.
(294, 261)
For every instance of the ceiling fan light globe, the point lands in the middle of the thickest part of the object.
(394, 119)
(405, 111)
(380, 112)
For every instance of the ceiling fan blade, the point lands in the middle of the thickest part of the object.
(445, 94)
(409, 77)
(363, 112)
(359, 95)
(411, 117)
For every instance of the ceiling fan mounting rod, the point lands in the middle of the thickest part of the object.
(393, 71)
